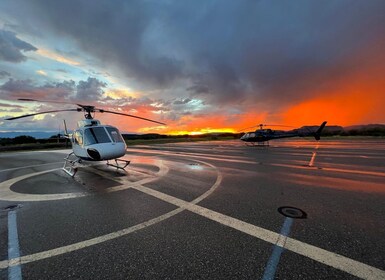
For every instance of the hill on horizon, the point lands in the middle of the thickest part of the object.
(329, 130)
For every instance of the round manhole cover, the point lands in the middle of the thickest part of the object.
(292, 212)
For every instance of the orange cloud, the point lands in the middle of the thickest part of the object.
(357, 97)
(344, 109)
(357, 101)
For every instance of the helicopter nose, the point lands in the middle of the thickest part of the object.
(94, 154)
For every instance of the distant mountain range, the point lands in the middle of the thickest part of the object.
(333, 129)
(366, 126)
(34, 134)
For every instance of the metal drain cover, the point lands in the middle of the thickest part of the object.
(292, 212)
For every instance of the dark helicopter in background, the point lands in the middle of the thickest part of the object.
(91, 141)
(262, 136)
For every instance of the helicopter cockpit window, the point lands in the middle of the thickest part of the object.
(114, 133)
(95, 135)
(252, 135)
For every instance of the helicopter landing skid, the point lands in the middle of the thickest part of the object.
(125, 163)
(69, 165)
(258, 144)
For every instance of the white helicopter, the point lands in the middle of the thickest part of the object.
(91, 141)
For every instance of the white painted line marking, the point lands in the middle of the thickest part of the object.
(340, 262)
(29, 166)
(93, 241)
(320, 255)
(7, 194)
(323, 256)
(360, 172)
(197, 155)
(14, 269)
(110, 236)
(311, 162)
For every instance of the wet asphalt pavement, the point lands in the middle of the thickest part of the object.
(203, 210)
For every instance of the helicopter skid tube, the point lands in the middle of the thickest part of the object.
(250, 144)
(69, 165)
(257, 144)
(126, 163)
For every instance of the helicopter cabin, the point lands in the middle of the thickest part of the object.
(98, 142)
(96, 135)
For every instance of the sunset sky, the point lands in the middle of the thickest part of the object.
(199, 66)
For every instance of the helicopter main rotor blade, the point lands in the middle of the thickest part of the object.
(262, 125)
(87, 108)
(248, 127)
(51, 101)
(281, 125)
(45, 112)
(128, 115)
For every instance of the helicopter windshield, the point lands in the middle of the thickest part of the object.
(114, 133)
(95, 135)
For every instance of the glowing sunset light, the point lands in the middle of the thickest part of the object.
(54, 56)
(202, 71)
(201, 131)
(41, 72)
(356, 100)
(121, 94)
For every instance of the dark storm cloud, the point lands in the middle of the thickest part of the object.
(4, 74)
(225, 51)
(11, 47)
(182, 101)
(13, 89)
(91, 89)
(15, 86)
